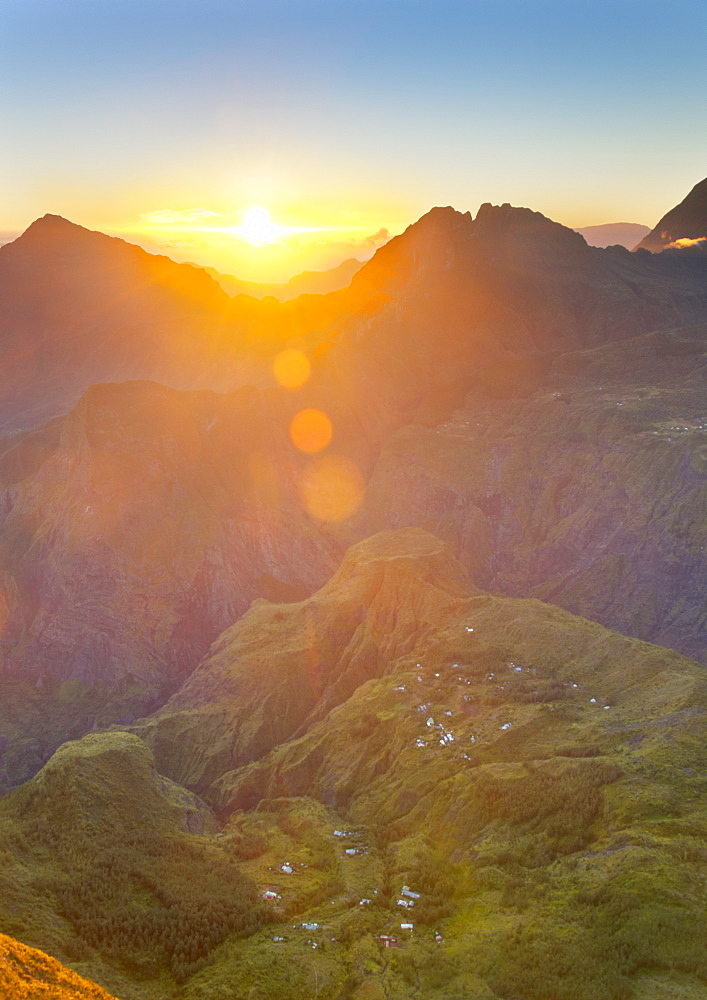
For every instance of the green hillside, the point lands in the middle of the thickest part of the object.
(28, 974)
(524, 787)
(116, 869)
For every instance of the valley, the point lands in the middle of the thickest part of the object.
(416, 713)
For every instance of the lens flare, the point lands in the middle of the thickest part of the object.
(332, 488)
(291, 368)
(311, 431)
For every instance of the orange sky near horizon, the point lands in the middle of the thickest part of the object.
(258, 243)
(164, 121)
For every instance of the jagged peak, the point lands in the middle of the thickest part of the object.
(445, 228)
(493, 221)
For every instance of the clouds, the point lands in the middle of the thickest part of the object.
(685, 242)
(216, 239)
(194, 241)
(378, 239)
(180, 217)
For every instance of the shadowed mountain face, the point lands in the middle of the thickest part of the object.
(134, 536)
(682, 225)
(491, 380)
(588, 492)
(79, 307)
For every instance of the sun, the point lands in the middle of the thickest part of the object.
(257, 228)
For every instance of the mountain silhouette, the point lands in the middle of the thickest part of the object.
(687, 221)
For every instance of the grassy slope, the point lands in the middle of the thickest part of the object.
(551, 873)
(111, 866)
(560, 856)
(557, 845)
(28, 974)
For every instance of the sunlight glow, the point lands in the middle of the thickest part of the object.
(258, 228)
(254, 245)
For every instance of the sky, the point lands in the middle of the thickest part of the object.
(165, 121)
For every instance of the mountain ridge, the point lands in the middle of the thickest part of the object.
(686, 221)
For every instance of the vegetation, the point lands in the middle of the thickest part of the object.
(28, 974)
(471, 782)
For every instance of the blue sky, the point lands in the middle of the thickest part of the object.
(589, 112)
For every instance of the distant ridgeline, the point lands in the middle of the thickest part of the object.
(344, 640)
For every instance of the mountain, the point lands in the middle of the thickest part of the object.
(132, 535)
(138, 527)
(28, 974)
(625, 234)
(119, 869)
(262, 707)
(89, 308)
(528, 783)
(239, 704)
(686, 222)
(78, 307)
(306, 283)
(586, 490)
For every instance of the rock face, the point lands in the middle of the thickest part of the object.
(587, 492)
(686, 222)
(152, 521)
(489, 301)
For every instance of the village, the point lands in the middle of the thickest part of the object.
(450, 712)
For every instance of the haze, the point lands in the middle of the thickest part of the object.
(344, 118)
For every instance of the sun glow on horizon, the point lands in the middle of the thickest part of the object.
(255, 242)
(258, 228)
